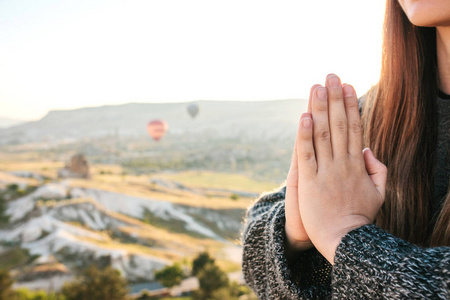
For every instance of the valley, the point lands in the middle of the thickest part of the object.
(139, 223)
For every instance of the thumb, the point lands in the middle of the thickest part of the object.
(376, 169)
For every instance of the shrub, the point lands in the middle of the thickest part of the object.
(170, 275)
(211, 279)
(200, 262)
(234, 197)
(106, 284)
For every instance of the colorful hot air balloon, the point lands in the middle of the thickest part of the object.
(157, 129)
(193, 110)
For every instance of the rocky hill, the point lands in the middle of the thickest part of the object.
(51, 230)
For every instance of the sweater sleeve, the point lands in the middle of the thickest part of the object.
(372, 264)
(265, 267)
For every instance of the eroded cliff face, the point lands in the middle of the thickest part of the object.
(65, 228)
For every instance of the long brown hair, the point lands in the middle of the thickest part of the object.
(400, 127)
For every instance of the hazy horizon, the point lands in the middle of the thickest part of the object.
(65, 55)
(137, 102)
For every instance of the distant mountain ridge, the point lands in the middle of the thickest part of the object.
(6, 122)
(227, 118)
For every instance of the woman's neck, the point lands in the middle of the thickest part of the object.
(443, 57)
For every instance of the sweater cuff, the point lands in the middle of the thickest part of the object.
(367, 253)
(265, 265)
(307, 277)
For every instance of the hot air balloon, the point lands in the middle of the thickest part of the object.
(193, 110)
(157, 129)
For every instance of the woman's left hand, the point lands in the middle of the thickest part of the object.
(340, 187)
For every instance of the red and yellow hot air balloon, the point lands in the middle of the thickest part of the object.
(157, 129)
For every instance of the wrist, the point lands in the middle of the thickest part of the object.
(328, 245)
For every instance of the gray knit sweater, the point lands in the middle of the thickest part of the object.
(369, 262)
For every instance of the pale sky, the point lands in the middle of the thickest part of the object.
(60, 54)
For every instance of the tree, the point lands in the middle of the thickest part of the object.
(170, 275)
(106, 284)
(211, 279)
(3, 217)
(6, 282)
(13, 187)
(200, 262)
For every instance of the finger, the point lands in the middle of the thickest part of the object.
(291, 201)
(311, 93)
(307, 166)
(321, 129)
(377, 171)
(353, 120)
(292, 178)
(337, 117)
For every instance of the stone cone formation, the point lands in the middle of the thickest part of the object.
(78, 167)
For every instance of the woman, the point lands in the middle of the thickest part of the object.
(314, 238)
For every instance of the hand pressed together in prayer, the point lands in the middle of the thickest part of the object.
(333, 186)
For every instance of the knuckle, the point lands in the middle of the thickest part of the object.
(343, 168)
(320, 105)
(341, 125)
(336, 96)
(307, 155)
(351, 103)
(336, 93)
(324, 135)
(360, 168)
(355, 127)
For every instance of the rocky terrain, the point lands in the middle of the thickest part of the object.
(53, 228)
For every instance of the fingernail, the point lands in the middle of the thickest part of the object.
(306, 122)
(321, 93)
(348, 90)
(333, 81)
(305, 115)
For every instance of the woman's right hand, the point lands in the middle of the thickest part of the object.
(296, 237)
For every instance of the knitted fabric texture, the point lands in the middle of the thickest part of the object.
(369, 263)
